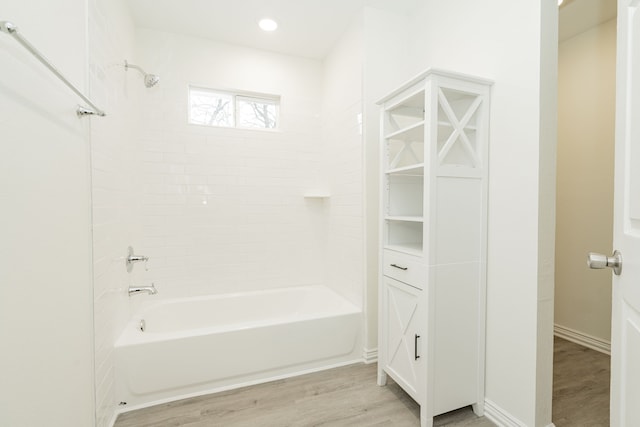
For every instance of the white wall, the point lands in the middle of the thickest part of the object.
(115, 186)
(386, 65)
(586, 111)
(342, 168)
(505, 41)
(223, 209)
(46, 324)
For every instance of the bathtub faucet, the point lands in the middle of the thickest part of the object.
(135, 290)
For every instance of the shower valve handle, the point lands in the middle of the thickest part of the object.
(131, 258)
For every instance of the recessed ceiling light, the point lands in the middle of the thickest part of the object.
(267, 24)
(560, 2)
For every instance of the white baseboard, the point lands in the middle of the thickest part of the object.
(370, 355)
(500, 417)
(583, 339)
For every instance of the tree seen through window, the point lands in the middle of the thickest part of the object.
(212, 108)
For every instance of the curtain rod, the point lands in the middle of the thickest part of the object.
(12, 30)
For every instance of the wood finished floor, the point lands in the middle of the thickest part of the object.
(349, 396)
(580, 386)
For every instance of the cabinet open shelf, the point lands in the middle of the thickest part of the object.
(411, 170)
(404, 234)
(404, 198)
(404, 154)
(413, 132)
(414, 249)
(405, 218)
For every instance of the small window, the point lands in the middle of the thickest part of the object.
(210, 108)
(257, 112)
(226, 109)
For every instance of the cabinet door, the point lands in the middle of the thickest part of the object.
(403, 335)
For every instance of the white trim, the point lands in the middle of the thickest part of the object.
(583, 339)
(500, 417)
(369, 355)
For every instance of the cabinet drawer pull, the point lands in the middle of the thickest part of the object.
(415, 347)
(401, 268)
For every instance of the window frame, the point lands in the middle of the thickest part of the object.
(236, 98)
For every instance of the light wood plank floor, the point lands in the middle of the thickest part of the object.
(580, 386)
(349, 396)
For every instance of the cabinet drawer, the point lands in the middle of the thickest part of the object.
(404, 268)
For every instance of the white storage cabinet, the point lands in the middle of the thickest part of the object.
(433, 240)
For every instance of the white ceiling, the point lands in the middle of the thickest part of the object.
(307, 28)
(577, 16)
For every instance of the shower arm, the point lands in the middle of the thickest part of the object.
(127, 66)
(150, 80)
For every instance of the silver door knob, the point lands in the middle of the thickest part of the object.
(598, 261)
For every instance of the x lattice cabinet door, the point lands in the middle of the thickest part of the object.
(402, 321)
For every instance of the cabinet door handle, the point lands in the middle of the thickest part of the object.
(415, 347)
(401, 268)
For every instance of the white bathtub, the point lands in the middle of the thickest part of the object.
(193, 346)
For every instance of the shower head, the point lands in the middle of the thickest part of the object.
(150, 80)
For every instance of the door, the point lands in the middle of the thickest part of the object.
(402, 335)
(625, 340)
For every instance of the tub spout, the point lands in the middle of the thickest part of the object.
(135, 290)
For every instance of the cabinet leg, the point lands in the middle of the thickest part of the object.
(478, 408)
(382, 377)
(425, 421)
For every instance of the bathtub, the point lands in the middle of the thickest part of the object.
(194, 346)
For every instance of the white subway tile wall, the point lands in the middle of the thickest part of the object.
(217, 210)
(223, 209)
(343, 164)
(115, 205)
(345, 233)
